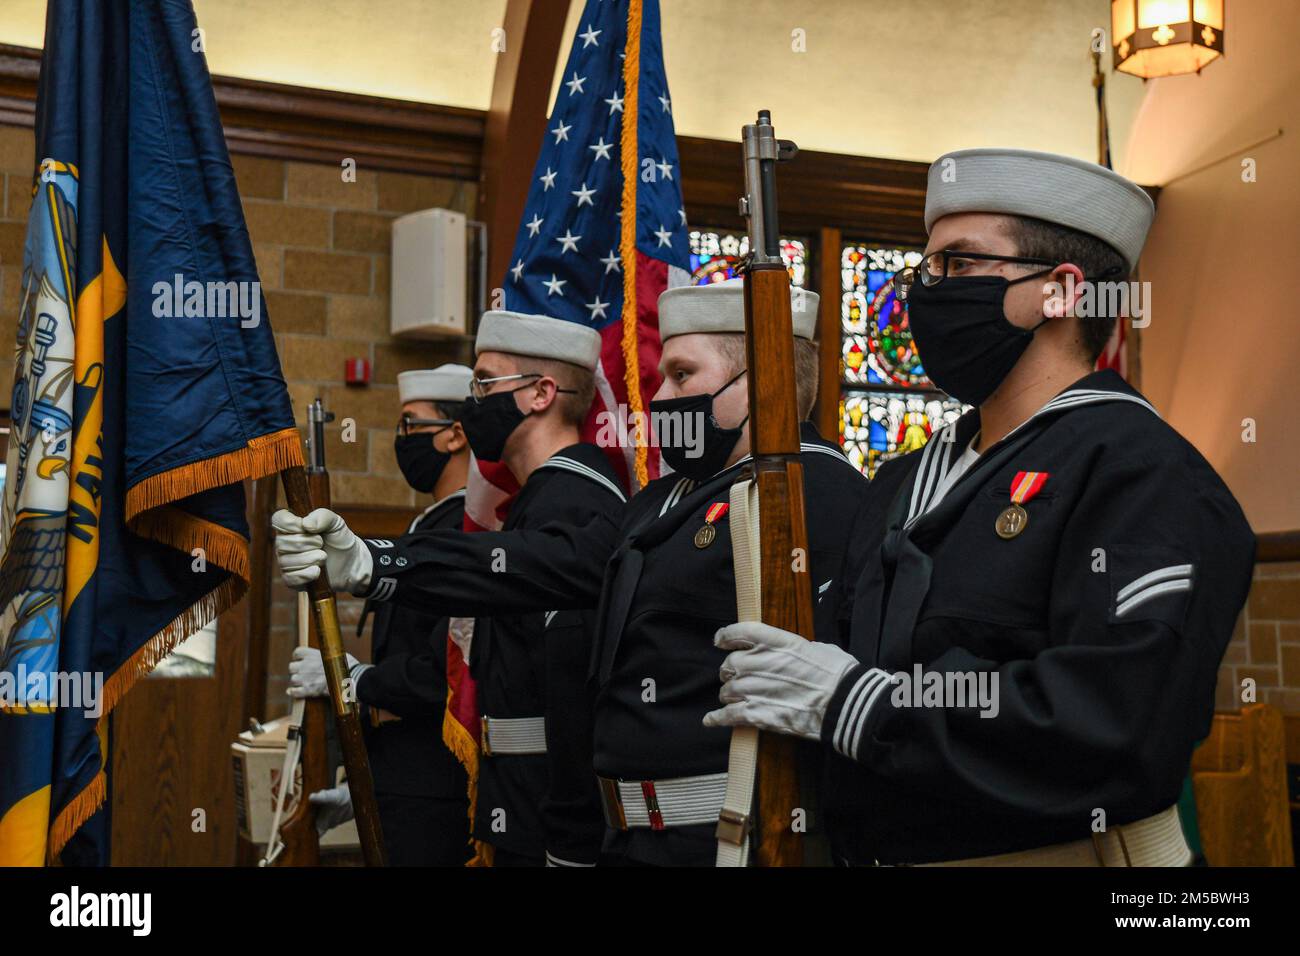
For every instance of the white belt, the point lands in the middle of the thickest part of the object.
(659, 804)
(512, 735)
(1156, 841)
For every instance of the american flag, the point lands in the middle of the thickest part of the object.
(604, 229)
(602, 235)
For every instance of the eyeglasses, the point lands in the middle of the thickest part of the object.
(938, 266)
(408, 424)
(479, 387)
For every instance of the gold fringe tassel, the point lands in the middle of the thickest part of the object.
(82, 807)
(198, 615)
(183, 531)
(261, 456)
(627, 234)
(462, 744)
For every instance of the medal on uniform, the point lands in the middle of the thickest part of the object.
(1014, 518)
(704, 537)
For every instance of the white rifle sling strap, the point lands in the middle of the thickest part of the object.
(292, 746)
(742, 762)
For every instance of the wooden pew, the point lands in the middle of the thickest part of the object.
(1239, 778)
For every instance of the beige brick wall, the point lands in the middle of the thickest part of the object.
(322, 247)
(1266, 643)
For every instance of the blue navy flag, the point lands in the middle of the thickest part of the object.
(146, 389)
(604, 230)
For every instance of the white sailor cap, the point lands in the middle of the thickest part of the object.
(539, 336)
(446, 383)
(720, 307)
(1058, 189)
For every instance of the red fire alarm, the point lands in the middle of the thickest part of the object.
(357, 371)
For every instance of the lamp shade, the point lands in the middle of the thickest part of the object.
(1165, 37)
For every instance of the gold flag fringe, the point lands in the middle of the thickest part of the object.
(193, 618)
(76, 813)
(627, 233)
(261, 456)
(183, 531)
(462, 744)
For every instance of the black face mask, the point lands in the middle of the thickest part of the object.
(716, 442)
(964, 340)
(490, 422)
(421, 462)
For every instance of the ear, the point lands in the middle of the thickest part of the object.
(545, 391)
(457, 442)
(1062, 290)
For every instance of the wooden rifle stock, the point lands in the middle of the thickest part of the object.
(301, 843)
(305, 490)
(778, 476)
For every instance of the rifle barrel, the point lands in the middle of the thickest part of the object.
(786, 600)
(347, 719)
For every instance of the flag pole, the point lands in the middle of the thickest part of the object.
(361, 785)
(1103, 121)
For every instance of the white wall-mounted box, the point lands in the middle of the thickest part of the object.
(428, 279)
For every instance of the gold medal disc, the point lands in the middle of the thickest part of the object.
(1011, 522)
(704, 537)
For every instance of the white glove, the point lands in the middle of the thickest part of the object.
(302, 545)
(775, 680)
(333, 807)
(307, 673)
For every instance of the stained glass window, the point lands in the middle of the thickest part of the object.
(888, 406)
(877, 426)
(715, 254)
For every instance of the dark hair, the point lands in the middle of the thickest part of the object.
(1037, 239)
(448, 410)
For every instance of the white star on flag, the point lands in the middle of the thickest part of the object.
(665, 168)
(517, 270)
(589, 38)
(597, 308)
(535, 225)
(602, 148)
(548, 180)
(555, 286)
(611, 262)
(575, 84)
(569, 241)
(615, 103)
(562, 132)
(584, 195)
(665, 237)
(682, 213)
(666, 102)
